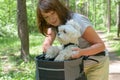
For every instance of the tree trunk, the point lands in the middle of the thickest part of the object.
(118, 20)
(94, 7)
(23, 29)
(88, 5)
(109, 15)
(105, 13)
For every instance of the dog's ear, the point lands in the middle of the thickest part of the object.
(74, 24)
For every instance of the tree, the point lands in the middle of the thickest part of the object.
(23, 29)
(118, 18)
(109, 15)
(94, 7)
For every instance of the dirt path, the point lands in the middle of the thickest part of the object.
(114, 68)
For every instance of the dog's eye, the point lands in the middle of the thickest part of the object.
(64, 31)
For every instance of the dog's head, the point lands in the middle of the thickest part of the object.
(69, 33)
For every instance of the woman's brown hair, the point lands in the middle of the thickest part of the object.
(51, 5)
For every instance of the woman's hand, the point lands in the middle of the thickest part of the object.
(45, 47)
(76, 55)
(48, 39)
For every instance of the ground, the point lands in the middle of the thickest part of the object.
(114, 68)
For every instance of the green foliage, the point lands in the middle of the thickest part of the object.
(114, 40)
(116, 1)
(31, 14)
(99, 15)
(12, 66)
(8, 18)
(72, 5)
(9, 30)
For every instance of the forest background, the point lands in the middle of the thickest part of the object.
(20, 15)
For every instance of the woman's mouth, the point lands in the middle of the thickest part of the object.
(54, 23)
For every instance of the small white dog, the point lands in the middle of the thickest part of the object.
(68, 36)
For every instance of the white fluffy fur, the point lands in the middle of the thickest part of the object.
(68, 33)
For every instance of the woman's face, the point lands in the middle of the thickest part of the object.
(51, 18)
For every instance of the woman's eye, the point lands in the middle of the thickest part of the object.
(48, 16)
(52, 13)
(45, 17)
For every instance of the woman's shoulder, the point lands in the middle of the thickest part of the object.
(79, 16)
(82, 20)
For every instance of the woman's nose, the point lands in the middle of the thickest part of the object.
(51, 19)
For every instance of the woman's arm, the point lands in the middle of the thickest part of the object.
(48, 39)
(97, 45)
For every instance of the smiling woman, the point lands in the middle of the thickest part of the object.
(51, 18)
(51, 8)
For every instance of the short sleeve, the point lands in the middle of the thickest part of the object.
(82, 21)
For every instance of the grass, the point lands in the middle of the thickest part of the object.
(13, 68)
(115, 42)
(112, 38)
(11, 65)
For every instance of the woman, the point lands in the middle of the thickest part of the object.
(51, 14)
